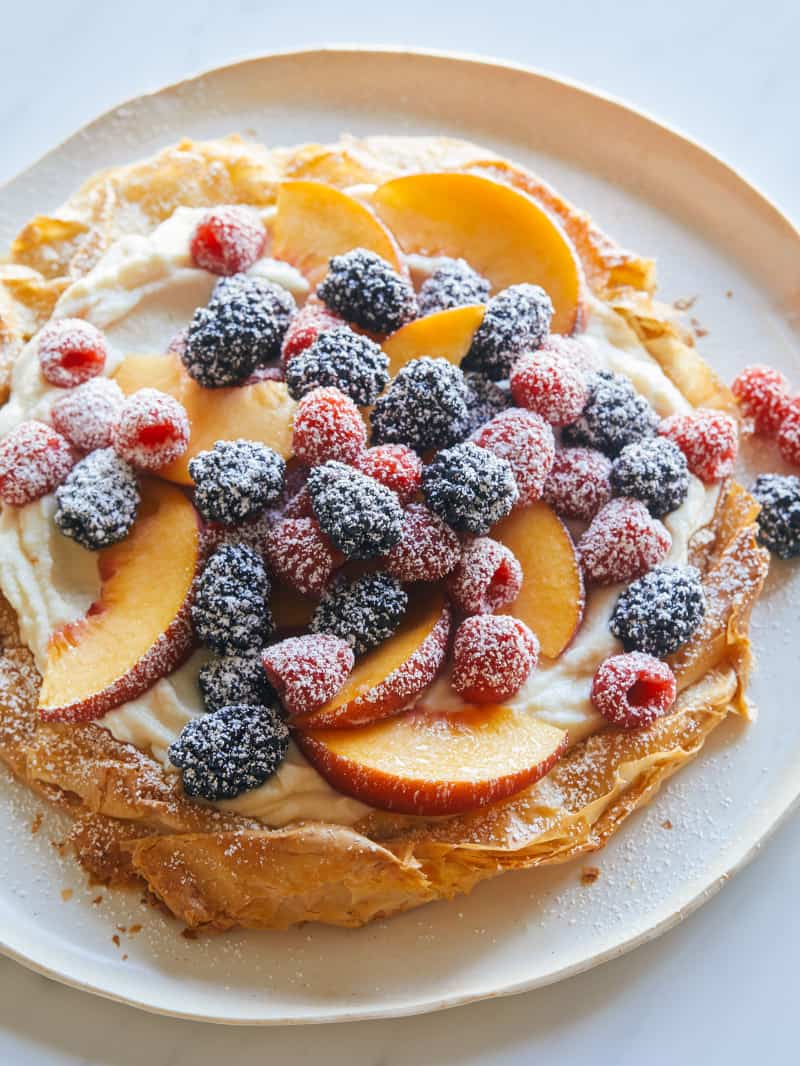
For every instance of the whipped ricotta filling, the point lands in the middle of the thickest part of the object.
(141, 293)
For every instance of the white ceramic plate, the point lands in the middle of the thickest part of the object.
(715, 237)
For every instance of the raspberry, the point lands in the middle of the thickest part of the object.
(366, 290)
(526, 442)
(632, 690)
(300, 555)
(33, 459)
(86, 415)
(152, 429)
(789, 434)
(328, 425)
(487, 578)
(579, 483)
(235, 480)
(339, 357)
(299, 506)
(779, 517)
(425, 406)
(308, 671)
(452, 284)
(427, 550)
(659, 612)
(229, 751)
(98, 501)
(493, 657)
(395, 466)
(71, 351)
(362, 518)
(227, 240)
(573, 349)
(469, 487)
(311, 320)
(623, 541)
(614, 415)
(763, 395)
(550, 385)
(235, 679)
(364, 612)
(707, 438)
(516, 320)
(485, 399)
(653, 471)
(230, 611)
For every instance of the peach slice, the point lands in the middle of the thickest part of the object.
(444, 334)
(551, 599)
(261, 412)
(394, 673)
(138, 630)
(315, 222)
(502, 233)
(432, 763)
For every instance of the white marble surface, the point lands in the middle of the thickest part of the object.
(719, 987)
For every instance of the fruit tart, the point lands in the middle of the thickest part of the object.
(368, 529)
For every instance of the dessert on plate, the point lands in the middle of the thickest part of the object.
(368, 528)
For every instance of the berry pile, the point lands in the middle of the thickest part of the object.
(230, 612)
(469, 488)
(364, 612)
(517, 320)
(235, 480)
(452, 284)
(339, 357)
(660, 611)
(361, 517)
(98, 501)
(424, 407)
(365, 290)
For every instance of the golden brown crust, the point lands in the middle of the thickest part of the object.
(217, 869)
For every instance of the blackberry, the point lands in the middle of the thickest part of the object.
(362, 517)
(364, 612)
(653, 471)
(779, 517)
(339, 357)
(659, 612)
(366, 290)
(235, 679)
(615, 415)
(235, 480)
(230, 751)
(485, 399)
(425, 406)
(452, 284)
(469, 487)
(517, 320)
(262, 291)
(97, 503)
(230, 612)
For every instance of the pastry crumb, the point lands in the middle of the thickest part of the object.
(36, 824)
(97, 899)
(66, 894)
(189, 934)
(666, 824)
(683, 303)
(116, 940)
(589, 874)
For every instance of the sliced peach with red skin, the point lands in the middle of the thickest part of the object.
(432, 763)
(503, 233)
(138, 630)
(393, 674)
(261, 412)
(551, 599)
(443, 335)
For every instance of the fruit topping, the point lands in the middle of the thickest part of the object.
(87, 414)
(308, 671)
(33, 459)
(339, 357)
(779, 517)
(763, 395)
(152, 429)
(487, 578)
(653, 471)
(236, 480)
(364, 611)
(229, 751)
(366, 290)
(328, 425)
(550, 385)
(789, 434)
(614, 415)
(622, 542)
(311, 320)
(71, 351)
(232, 679)
(660, 611)
(300, 555)
(395, 466)
(259, 290)
(443, 335)
(469, 487)
(227, 240)
(98, 501)
(453, 283)
(632, 690)
(707, 438)
(517, 320)
(485, 399)
(424, 407)
(493, 656)
(427, 550)
(230, 612)
(362, 517)
(579, 483)
(575, 350)
(527, 444)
